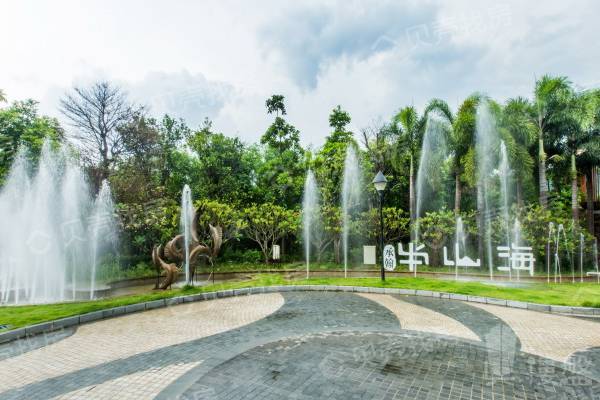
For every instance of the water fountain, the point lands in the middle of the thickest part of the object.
(549, 248)
(351, 197)
(430, 174)
(557, 270)
(185, 224)
(486, 137)
(104, 230)
(504, 171)
(50, 246)
(310, 214)
(460, 242)
(581, 243)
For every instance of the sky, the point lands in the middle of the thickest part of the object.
(222, 59)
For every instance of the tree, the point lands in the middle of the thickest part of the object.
(516, 120)
(224, 171)
(2, 96)
(96, 112)
(222, 215)
(338, 120)
(275, 105)
(548, 102)
(22, 127)
(268, 223)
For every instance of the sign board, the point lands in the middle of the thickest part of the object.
(369, 255)
(389, 258)
(276, 252)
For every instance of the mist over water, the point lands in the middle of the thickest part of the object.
(351, 197)
(310, 216)
(431, 172)
(54, 234)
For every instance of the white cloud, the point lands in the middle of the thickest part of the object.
(222, 59)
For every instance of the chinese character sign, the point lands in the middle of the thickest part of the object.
(389, 258)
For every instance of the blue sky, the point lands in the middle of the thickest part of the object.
(222, 59)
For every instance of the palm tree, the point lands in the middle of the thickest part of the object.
(409, 127)
(2, 96)
(518, 132)
(549, 94)
(461, 138)
(583, 140)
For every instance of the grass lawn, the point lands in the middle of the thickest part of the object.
(580, 294)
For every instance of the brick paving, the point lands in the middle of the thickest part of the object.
(301, 345)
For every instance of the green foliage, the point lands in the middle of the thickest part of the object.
(22, 127)
(267, 223)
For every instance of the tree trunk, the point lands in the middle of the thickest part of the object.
(543, 184)
(336, 250)
(457, 194)
(519, 193)
(411, 191)
(574, 191)
(589, 190)
(480, 221)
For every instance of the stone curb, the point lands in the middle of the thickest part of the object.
(77, 320)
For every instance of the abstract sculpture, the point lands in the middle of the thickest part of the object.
(174, 252)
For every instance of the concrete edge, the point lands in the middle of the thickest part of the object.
(77, 320)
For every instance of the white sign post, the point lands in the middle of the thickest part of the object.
(389, 258)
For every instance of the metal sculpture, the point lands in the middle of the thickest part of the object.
(174, 252)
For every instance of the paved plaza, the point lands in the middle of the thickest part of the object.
(312, 345)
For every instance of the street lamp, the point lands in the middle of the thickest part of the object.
(380, 182)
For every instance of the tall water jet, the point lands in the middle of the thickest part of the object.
(351, 197)
(431, 172)
(549, 248)
(581, 244)
(504, 171)
(595, 253)
(48, 247)
(185, 223)
(104, 229)
(486, 138)
(517, 242)
(310, 214)
(460, 243)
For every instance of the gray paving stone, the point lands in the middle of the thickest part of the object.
(561, 309)
(538, 307)
(407, 291)
(455, 296)
(209, 295)
(38, 328)
(155, 304)
(476, 299)
(584, 310)
(225, 293)
(93, 316)
(193, 298)
(12, 335)
(241, 292)
(425, 293)
(392, 290)
(135, 308)
(173, 301)
(516, 304)
(65, 322)
(376, 290)
(496, 302)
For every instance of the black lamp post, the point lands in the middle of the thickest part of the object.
(380, 182)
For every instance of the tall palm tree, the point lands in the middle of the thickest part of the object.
(2, 96)
(583, 140)
(549, 95)
(462, 142)
(409, 126)
(519, 132)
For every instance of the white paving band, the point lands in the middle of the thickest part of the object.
(417, 318)
(103, 341)
(547, 335)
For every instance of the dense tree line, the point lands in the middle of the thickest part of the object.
(254, 190)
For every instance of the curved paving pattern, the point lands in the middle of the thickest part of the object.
(304, 345)
(418, 318)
